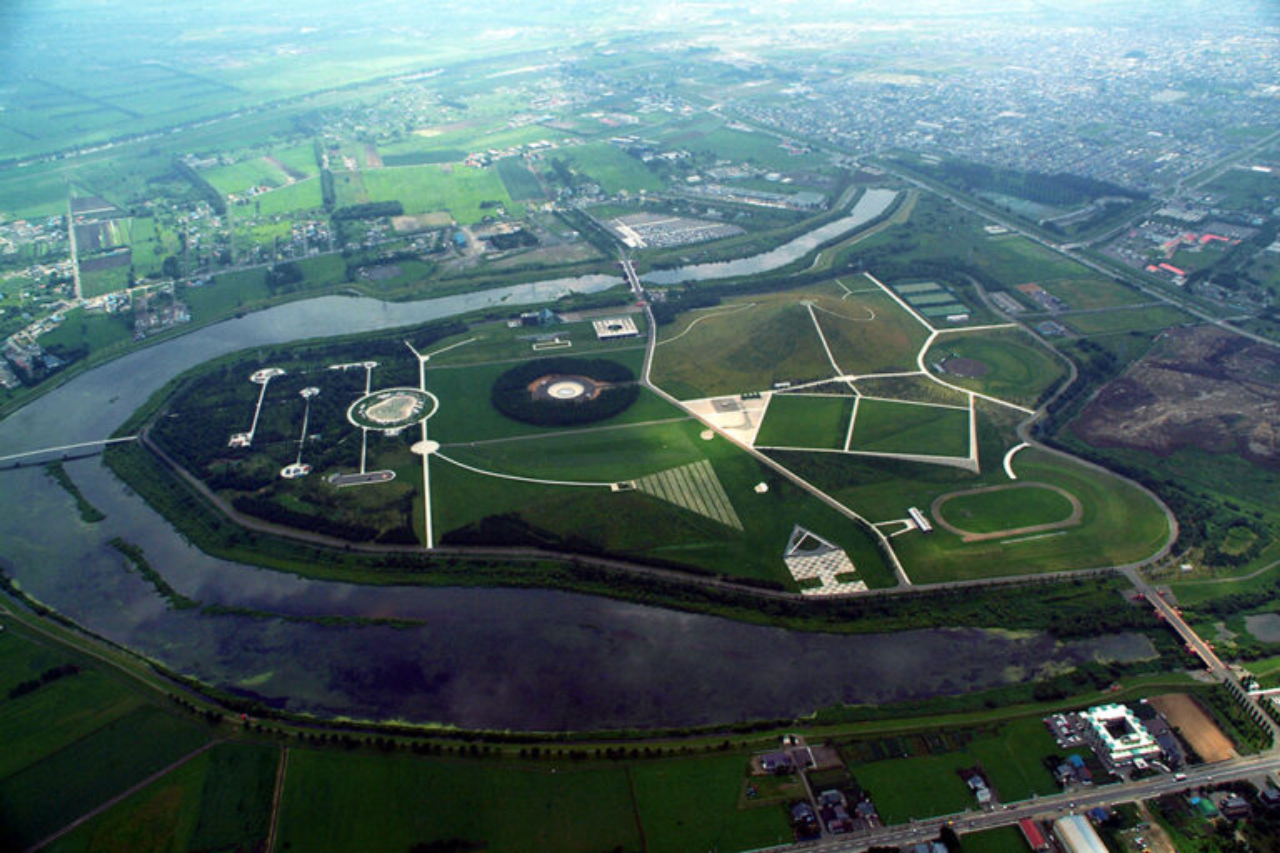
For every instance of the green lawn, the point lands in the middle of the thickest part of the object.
(1127, 320)
(795, 420)
(239, 177)
(343, 802)
(1120, 524)
(519, 181)
(1019, 369)
(302, 195)
(928, 785)
(61, 712)
(884, 426)
(919, 787)
(691, 805)
(468, 194)
(610, 167)
(1006, 839)
(1021, 261)
(623, 523)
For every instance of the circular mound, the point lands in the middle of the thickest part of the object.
(970, 367)
(559, 386)
(564, 391)
(392, 409)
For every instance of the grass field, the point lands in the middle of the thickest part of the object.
(302, 195)
(1018, 368)
(342, 802)
(1006, 839)
(1007, 509)
(519, 181)
(219, 801)
(1127, 320)
(1021, 261)
(692, 805)
(97, 282)
(236, 178)
(1087, 294)
(1120, 524)
(923, 786)
(614, 170)
(45, 721)
(885, 426)
(120, 753)
(467, 194)
(806, 421)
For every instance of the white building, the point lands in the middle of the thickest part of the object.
(1118, 736)
(615, 327)
(1077, 835)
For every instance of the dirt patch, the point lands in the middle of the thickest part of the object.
(294, 174)
(1195, 726)
(382, 272)
(965, 367)
(1200, 387)
(107, 262)
(372, 159)
(421, 222)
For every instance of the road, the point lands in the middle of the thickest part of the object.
(899, 571)
(1108, 272)
(1043, 807)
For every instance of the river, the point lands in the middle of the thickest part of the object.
(873, 203)
(478, 658)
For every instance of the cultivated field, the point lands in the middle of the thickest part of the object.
(1195, 724)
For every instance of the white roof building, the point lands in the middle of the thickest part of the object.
(1077, 835)
(1118, 735)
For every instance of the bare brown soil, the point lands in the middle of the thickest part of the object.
(372, 159)
(293, 173)
(107, 262)
(966, 367)
(1200, 387)
(1195, 726)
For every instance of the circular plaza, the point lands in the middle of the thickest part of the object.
(392, 409)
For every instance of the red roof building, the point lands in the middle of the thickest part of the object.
(1031, 832)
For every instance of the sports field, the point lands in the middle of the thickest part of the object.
(1016, 505)
(1008, 364)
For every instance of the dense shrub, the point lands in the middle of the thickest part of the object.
(510, 394)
